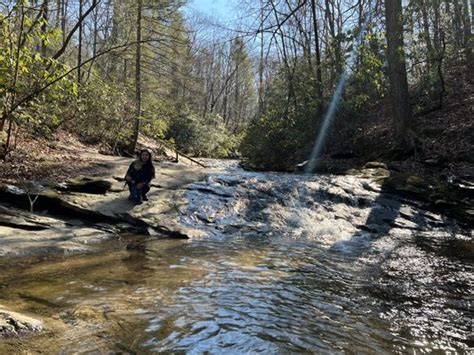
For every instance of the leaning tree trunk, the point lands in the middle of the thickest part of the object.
(402, 113)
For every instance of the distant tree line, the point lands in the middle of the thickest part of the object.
(111, 69)
(305, 46)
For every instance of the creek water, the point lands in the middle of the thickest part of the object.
(288, 263)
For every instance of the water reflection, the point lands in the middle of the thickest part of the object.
(262, 281)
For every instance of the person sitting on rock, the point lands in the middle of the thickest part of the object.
(139, 176)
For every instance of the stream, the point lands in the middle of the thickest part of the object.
(287, 263)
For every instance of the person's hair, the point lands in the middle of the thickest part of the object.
(149, 163)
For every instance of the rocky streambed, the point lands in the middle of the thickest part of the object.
(364, 262)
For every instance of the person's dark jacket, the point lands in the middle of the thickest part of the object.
(143, 174)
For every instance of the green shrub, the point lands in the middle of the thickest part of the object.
(202, 136)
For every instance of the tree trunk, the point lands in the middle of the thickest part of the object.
(236, 117)
(44, 26)
(95, 20)
(402, 113)
(260, 64)
(319, 81)
(64, 18)
(426, 27)
(79, 50)
(458, 24)
(330, 50)
(468, 41)
(58, 13)
(10, 101)
(436, 25)
(138, 88)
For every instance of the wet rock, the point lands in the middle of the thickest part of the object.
(39, 300)
(88, 313)
(23, 234)
(301, 166)
(445, 204)
(448, 199)
(336, 167)
(465, 187)
(212, 188)
(64, 240)
(74, 205)
(16, 218)
(13, 323)
(250, 166)
(136, 245)
(464, 214)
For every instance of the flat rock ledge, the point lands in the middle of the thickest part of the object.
(14, 324)
(71, 217)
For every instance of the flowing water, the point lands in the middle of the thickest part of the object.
(324, 264)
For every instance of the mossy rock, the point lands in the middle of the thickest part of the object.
(408, 183)
(439, 196)
(442, 189)
(379, 175)
(375, 165)
(354, 172)
(418, 181)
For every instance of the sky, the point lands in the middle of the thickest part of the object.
(216, 8)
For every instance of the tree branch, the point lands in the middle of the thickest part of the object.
(76, 26)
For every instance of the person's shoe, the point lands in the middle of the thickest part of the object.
(144, 198)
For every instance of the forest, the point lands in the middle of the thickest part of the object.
(306, 176)
(257, 88)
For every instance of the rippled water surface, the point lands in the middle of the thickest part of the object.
(287, 264)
